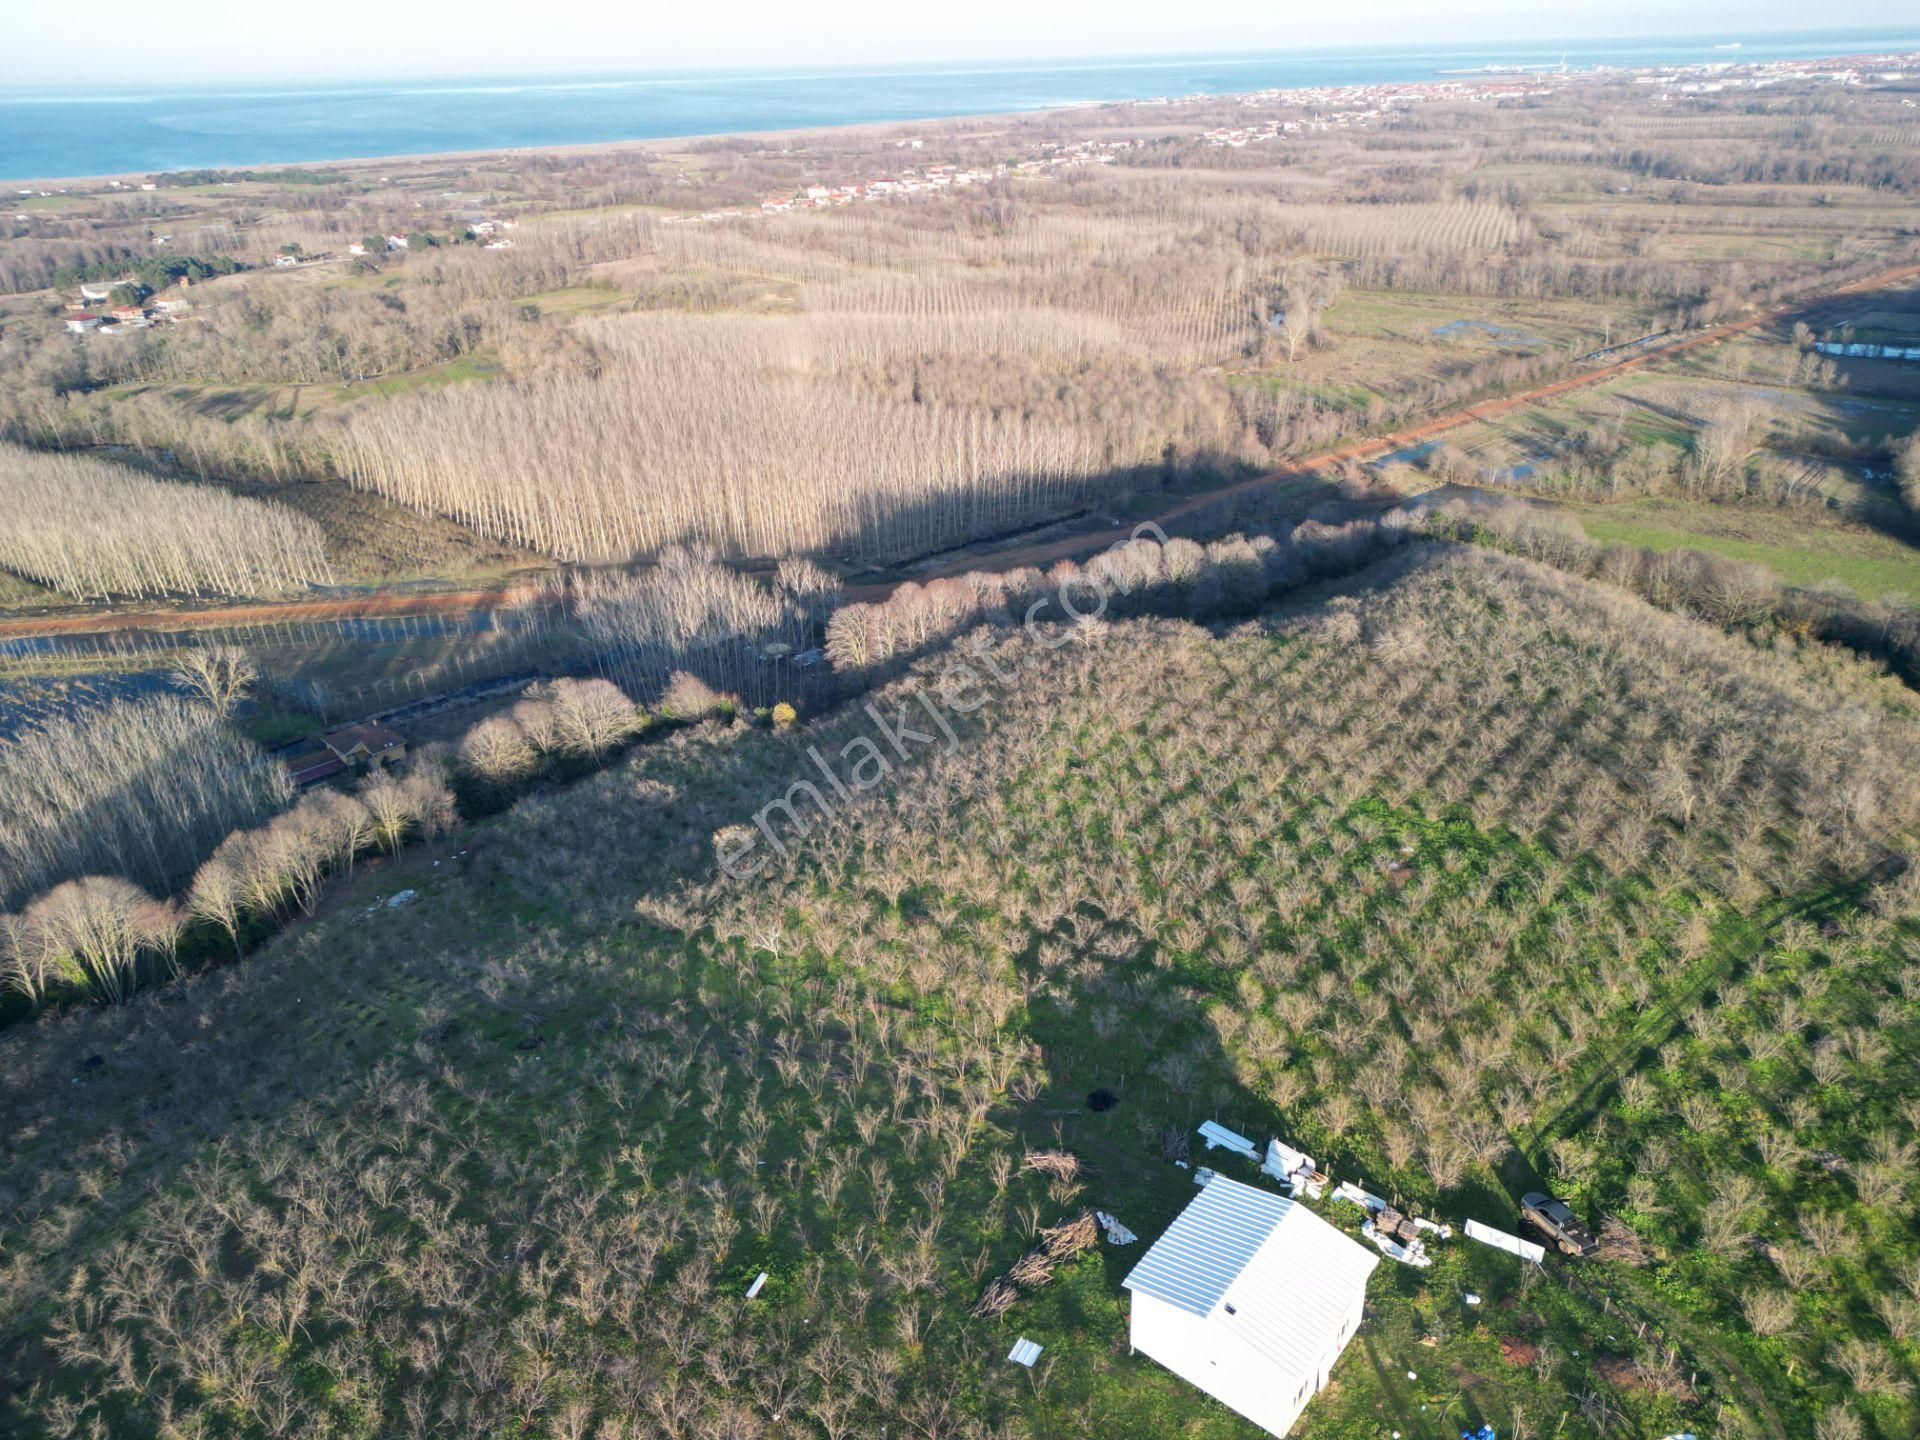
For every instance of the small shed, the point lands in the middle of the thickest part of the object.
(1252, 1297)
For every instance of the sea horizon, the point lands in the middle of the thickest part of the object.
(82, 131)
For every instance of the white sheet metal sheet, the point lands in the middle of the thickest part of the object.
(1217, 1135)
(1501, 1240)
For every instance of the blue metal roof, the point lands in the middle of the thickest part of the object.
(1208, 1245)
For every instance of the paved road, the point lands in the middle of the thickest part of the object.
(1040, 554)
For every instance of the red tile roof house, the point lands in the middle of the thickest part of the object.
(367, 744)
(312, 768)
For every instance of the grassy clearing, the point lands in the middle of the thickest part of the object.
(63, 204)
(373, 542)
(594, 212)
(451, 372)
(1329, 394)
(1384, 343)
(574, 299)
(271, 725)
(19, 593)
(1800, 549)
(222, 401)
(1530, 324)
(1710, 245)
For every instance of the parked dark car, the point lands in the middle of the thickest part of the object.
(1556, 1221)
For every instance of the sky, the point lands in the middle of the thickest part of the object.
(258, 40)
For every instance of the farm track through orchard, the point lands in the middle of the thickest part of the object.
(1039, 554)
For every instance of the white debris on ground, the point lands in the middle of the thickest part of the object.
(405, 897)
(1024, 1352)
(1117, 1234)
(1218, 1137)
(1408, 1252)
(1295, 1169)
(1501, 1240)
(754, 1289)
(1353, 1194)
(1399, 1237)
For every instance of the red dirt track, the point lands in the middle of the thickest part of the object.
(1040, 554)
(1376, 446)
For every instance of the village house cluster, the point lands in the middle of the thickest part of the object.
(935, 178)
(1351, 107)
(1339, 107)
(907, 182)
(929, 180)
(1326, 108)
(1354, 106)
(89, 311)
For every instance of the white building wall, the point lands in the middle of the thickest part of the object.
(1205, 1352)
(1207, 1355)
(1349, 1327)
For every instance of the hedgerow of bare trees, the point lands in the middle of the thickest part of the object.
(91, 935)
(690, 613)
(1734, 594)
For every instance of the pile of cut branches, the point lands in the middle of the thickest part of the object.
(1054, 1245)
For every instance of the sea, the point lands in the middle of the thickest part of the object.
(52, 132)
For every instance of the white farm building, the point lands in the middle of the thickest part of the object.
(1252, 1297)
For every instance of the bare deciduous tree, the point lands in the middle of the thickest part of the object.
(221, 675)
(93, 931)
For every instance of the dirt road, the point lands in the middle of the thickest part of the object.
(1376, 447)
(1039, 554)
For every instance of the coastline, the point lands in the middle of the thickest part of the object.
(1390, 67)
(592, 147)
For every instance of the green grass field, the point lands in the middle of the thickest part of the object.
(226, 401)
(450, 372)
(574, 299)
(1801, 550)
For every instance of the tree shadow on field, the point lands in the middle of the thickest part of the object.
(978, 513)
(1875, 399)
